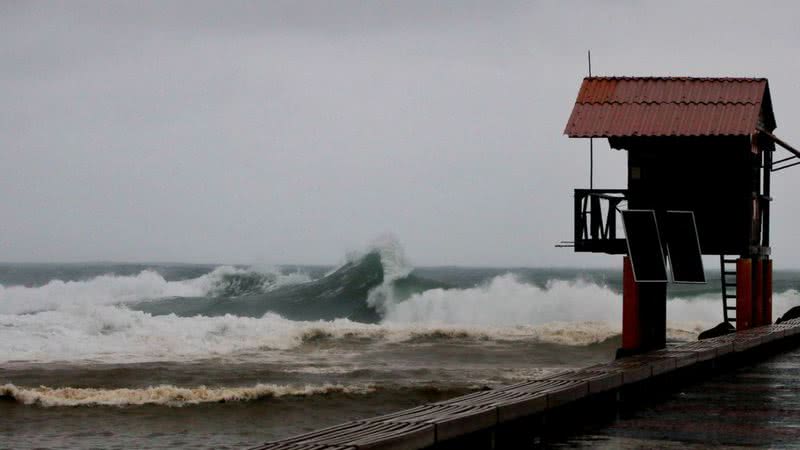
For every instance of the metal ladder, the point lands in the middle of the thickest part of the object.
(727, 268)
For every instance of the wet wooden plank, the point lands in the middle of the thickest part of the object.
(370, 435)
(449, 420)
(745, 340)
(398, 436)
(682, 358)
(491, 397)
(722, 344)
(755, 406)
(660, 364)
(508, 403)
(599, 380)
(632, 371)
(792, 329)
(532, 397)
(558, 391)
(773, 335)
(295, 446)
(789, 329)
(702, 349)
(524, 404)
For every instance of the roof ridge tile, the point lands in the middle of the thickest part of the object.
(668, 102)
(678, 78)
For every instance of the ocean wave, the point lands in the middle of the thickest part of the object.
(505, 300)
(372, 299)
(117, 334)
(241, 282)
(168, 395)
(148, 285)
(358, 290)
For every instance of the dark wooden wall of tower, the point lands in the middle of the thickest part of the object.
(718, 178)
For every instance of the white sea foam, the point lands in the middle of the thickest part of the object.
(111, 333)
(117, 289)
(166, 394)
(87, 320)
(116, 334)
(572, 312)
(505, 301)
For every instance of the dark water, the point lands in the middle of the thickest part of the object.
(176, 355)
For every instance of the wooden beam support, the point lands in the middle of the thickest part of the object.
(780, 142)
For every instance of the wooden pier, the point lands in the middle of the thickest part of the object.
(502, 417)
(711, 142)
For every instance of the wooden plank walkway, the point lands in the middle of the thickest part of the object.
(439, 423)
(756, 405)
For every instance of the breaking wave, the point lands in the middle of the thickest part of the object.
(358, 290)
(577, 307)
(120, 335)
(117, 334)
(167, 395)
(373, 298)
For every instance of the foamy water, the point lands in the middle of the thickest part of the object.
(112, 290)
(166, 395)
(150, 350)
(91, 320)
(506, 309)
(438, 333)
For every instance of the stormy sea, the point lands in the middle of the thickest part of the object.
(109, 355)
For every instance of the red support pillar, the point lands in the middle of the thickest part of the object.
(758, 293)
(644, 314)
(767, 291)
(631, 332)
(744, 294)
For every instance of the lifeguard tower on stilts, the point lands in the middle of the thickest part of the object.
(700, 158)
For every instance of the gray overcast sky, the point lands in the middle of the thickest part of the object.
(293, 131)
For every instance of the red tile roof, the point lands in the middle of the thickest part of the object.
(670, 106)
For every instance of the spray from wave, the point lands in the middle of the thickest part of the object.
(395, 268)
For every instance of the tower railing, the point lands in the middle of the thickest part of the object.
(596, 212)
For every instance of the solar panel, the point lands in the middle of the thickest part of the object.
(644, 245)
(683, 247)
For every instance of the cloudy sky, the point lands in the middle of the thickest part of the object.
(294, 131)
